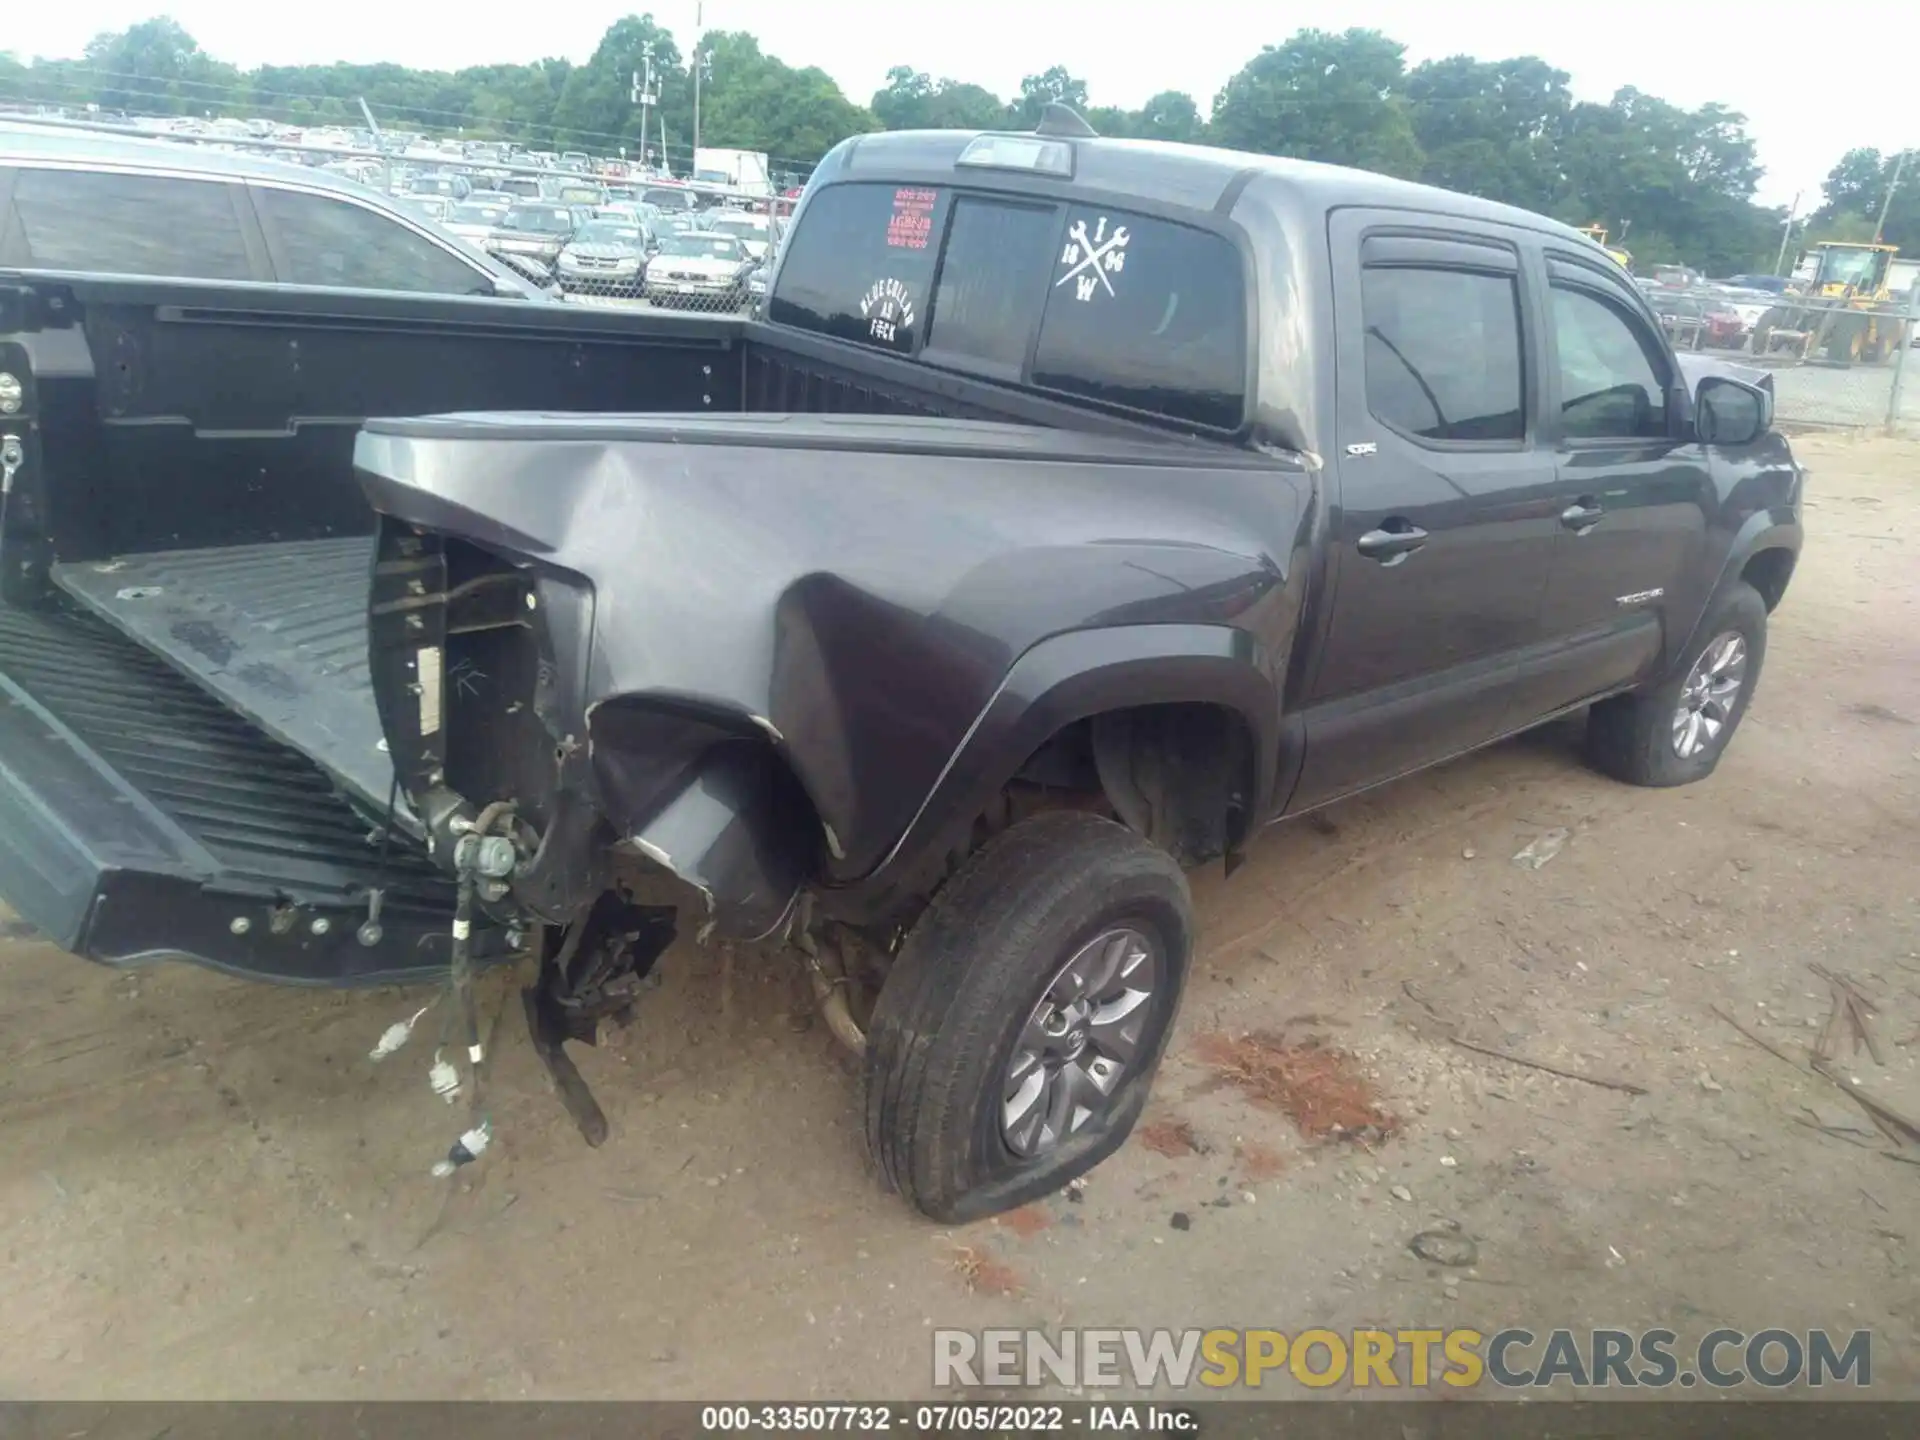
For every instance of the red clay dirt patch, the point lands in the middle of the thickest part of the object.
(1026, 1222)
(1172, 1138)
(1320, 1089)
(1259, 1162)
(982, 1274)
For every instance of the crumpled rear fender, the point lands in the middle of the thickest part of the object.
(716, 807)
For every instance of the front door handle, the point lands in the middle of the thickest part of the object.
(1392, 542)
(1582, 515)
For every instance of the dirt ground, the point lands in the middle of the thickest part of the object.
(206, 1189)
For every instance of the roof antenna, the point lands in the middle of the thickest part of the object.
(1064, 122)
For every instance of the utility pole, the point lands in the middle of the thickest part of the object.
(1786, 234)
(1899, 164)
(645, 96)
(702, 65)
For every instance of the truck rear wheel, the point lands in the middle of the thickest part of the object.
(1676, 732)
(1017, 1034)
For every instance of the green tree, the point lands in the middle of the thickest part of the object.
(1669, 182)
(914, 100)
(1170, 115)
(1052, 85)
(1322, 96)
(1682, 180)
(755, 102)
(1490, 128)
(157, 67)
(1857, 188)
(594, 109)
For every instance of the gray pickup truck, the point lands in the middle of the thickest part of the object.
(1078, 508)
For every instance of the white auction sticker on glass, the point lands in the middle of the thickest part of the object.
(429, 665)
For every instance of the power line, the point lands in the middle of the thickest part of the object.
(152, 89)
(244, 95)
(671, 152)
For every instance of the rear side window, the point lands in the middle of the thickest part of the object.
(983, 309)
(115, 224)
(1148, 314)
(860, 267)
(317, 240)
(1443, 353)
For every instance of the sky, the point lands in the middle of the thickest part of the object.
(1806, 104)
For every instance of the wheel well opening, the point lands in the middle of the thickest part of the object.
(1179, 774)
(1768, 572)
(1182, 775)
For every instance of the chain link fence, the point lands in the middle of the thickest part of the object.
(711, 260)
(1835, 363)
(1843, 365)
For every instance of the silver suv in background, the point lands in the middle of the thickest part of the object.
(92, 204)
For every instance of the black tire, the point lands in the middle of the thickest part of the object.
(1631, 737)
(965, 984)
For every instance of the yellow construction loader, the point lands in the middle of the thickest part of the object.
(1845, 313)
(1598, 234)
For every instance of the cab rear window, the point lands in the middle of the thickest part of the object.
(1146, 314)
(1124, 309)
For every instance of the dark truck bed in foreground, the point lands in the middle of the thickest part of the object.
(191, 764)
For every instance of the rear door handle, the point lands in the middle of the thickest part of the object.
(1392, 542)
(1582, 515)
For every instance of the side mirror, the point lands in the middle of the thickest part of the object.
(1731, 412)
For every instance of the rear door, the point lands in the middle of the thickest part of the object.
(1442, 536)
(1632, 492)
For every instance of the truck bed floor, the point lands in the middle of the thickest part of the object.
(277, 631)
(141, 818)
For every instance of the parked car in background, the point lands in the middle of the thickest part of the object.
(1770, 284)
(453, 187)
(576, 192)
(1672, 275)
(698, 268)
(1724, 325)
(432, 207)
(670, 198)
(370, 173)
(754, 232)
(475, 220)
(1746, 305)
(606, 257)
(537, 231)
(1681, 313)
(534, 272)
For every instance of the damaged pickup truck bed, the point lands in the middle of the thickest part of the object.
(1081, 507)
